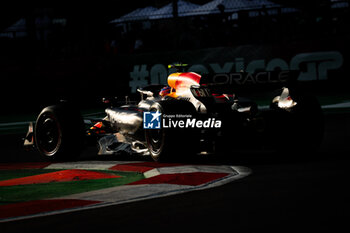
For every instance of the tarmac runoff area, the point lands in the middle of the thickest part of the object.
(111, 183)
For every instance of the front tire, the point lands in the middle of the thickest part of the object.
(59, 132)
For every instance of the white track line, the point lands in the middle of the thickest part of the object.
(88, 165)
(131, 193)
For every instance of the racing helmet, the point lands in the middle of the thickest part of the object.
(165, 91)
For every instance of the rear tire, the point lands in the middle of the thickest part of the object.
(166, 144)
(309, 123)
(300, 128)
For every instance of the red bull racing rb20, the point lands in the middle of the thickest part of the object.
(188, 116)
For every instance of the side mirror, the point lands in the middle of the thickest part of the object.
(145, 92)
(110, 101)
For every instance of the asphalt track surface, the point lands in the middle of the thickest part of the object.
(295, 193)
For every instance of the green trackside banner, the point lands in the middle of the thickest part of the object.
(313, 64)
(319, 64)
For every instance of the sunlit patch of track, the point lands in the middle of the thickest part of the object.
(157, 180)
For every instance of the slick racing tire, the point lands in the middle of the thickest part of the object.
(308, 123)
(300, 128)
(58, 132)
(171, 144)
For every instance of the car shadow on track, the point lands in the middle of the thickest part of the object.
(12, 151)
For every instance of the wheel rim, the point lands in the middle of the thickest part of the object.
(48, 135)
(155, 139)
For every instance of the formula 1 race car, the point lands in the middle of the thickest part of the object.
(189, 115)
